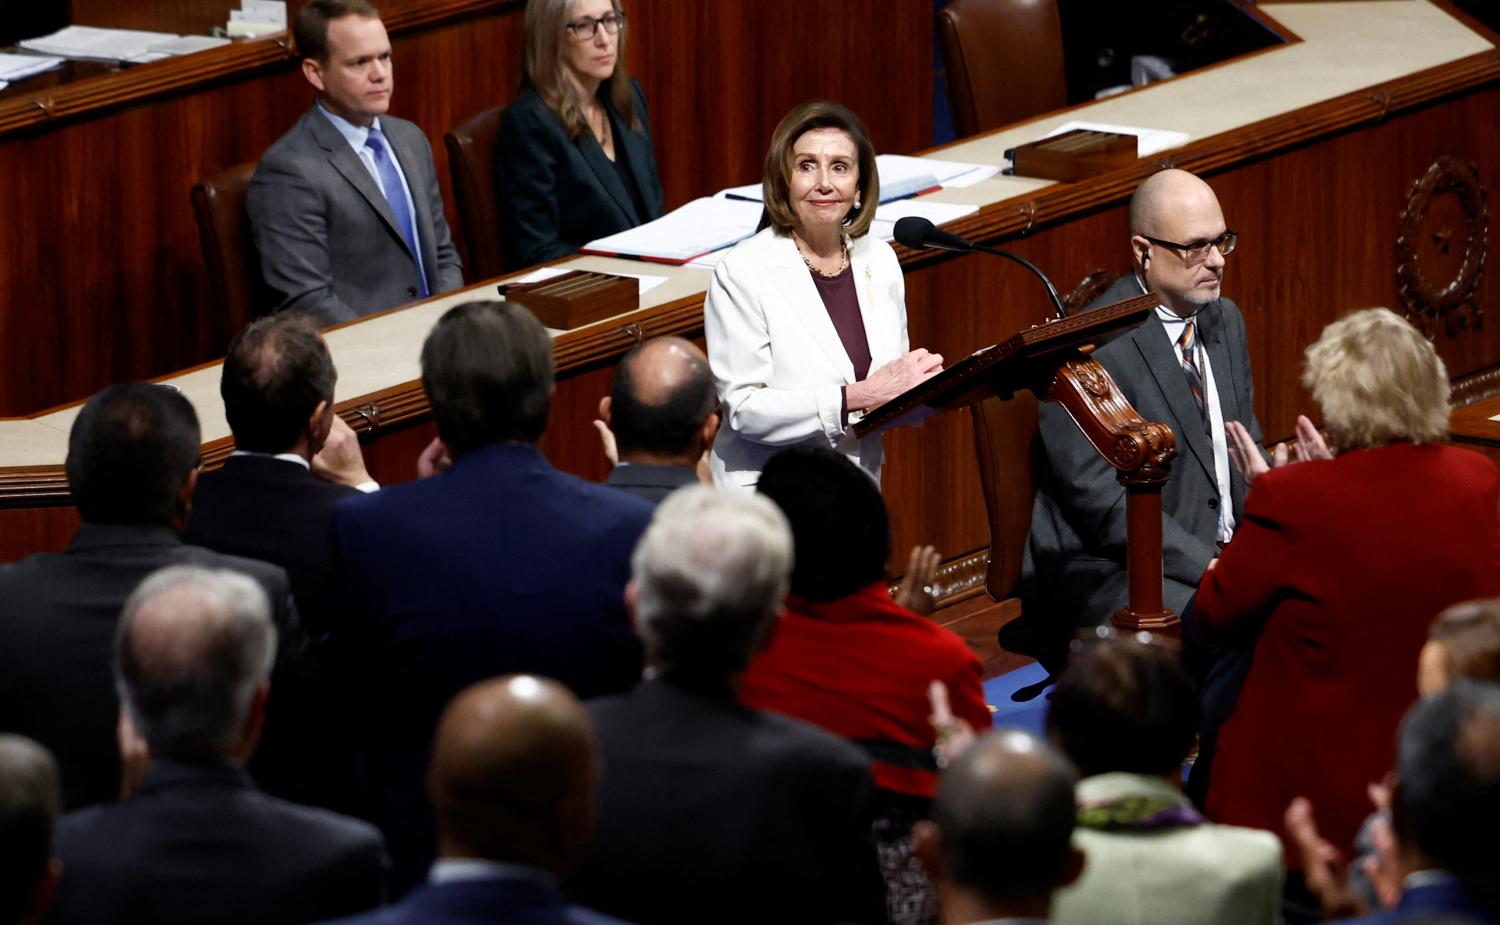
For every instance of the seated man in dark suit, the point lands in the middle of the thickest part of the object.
(345, 208)
(500, 564)
(29, 801)
(1187, 366)
(512, 780)
(132, 464)
(709, 810)
(660, 418)
(196, 841)
(999, 841)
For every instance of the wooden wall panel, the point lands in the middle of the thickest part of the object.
(106, 281)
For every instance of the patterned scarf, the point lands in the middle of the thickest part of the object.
(1138, 814)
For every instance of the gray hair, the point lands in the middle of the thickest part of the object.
(30, 798)
(192, 647)
(710, 575)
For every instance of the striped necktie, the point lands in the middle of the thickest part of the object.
(1187, 342)
(395, 196)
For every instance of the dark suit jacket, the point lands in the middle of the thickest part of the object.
(1074, 570)
(1445, 901)
(57, 639)
(558, 193)
(1340, 566)
(709, 810)
(651, 483)
(517, 898)
(329, 245)
(279, 512)
(198, 843)
(501, 564)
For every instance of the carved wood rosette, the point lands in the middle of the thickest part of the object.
(1142, 453)
(1441, 246)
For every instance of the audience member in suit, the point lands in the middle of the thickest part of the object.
(1126, 713)
(273, 499)
(999, 842)
(30, 798)
(705, 804)
(132, 464)
(345, 208)
(499, 564)
(196, 841)
(514, 768)
(659, 419)
(574, 160)
(1339, 567)
(853, 660)
(806, 321)
(1446, 808)
(1073, 574)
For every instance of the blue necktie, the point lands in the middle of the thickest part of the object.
(395, 195)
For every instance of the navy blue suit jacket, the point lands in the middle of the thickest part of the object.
(1446, 899)
(499, 565)
(501, 901)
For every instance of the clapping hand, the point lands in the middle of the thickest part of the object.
(953, 734)
(1248, 458)
(915, 591)
(434, 459)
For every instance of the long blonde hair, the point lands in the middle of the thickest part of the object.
(546, 22)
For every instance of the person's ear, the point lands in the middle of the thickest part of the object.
(255, 722)
(709, 430)
(42, 893)
(632, 593)
(319, 424)
(185, 499)
(1074, 868)
(927, 846)
(606, 404)
(313, 71)
(1142, 250)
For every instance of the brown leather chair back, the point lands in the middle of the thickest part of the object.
(471, 161)
(1003, 61)
(228, 247)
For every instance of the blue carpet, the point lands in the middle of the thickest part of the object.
(1031, 715)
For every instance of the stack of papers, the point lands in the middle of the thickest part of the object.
(647, 282)
(1149, 141)
(701, 226)
(900, 177)
(95, 44)
(18, 67)
(938, 213)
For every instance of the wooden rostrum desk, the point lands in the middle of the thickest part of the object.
(1353, 161)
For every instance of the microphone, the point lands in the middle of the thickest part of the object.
(918, 233)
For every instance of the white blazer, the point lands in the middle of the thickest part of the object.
(777, 358)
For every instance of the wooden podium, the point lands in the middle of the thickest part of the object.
(1052, 360)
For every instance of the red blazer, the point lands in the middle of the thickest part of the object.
(859, 667)
(1340, 565)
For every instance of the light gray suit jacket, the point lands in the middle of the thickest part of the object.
(329, 245)
(1073, 574)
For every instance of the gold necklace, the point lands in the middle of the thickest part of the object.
(843, 259)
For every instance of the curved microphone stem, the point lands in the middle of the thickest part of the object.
(1051, 289)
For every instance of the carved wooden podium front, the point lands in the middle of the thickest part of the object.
(1052, 360)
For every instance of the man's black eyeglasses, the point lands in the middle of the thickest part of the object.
(1194, 254)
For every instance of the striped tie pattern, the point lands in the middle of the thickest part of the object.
(1187, 342)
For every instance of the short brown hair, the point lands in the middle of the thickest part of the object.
(776, 187)
(546, 25)
(310, 31)
(276, 373)
(1469, 634)
(1378, 381)
(487, 370)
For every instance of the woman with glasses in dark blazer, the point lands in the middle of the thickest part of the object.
(574, 160)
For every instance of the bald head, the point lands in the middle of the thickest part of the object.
(1004, 816)
(1162, 196)
(662, 397)
(193, 647)
(1173, 216)
(512, 774)
(30, 797)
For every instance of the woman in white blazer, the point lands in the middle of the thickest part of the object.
(806, 321)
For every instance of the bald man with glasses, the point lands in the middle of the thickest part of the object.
(1187, 366)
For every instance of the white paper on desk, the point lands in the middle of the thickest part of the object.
(1149, 141)
(707, 261)
(187, 44)
(3, 85)
(938, 213)
(703, 225)
(90, 42)
(272, 11)
(647, 282)
(19, 67)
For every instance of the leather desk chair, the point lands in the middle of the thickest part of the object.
(1003, 60)
(228, 247)
(471, 162)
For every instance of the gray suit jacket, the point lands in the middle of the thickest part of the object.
(1074, 570)
(329, 245)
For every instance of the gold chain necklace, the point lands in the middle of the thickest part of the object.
(843, 260)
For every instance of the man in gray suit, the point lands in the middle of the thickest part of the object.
(345, 208)
(1187, 366)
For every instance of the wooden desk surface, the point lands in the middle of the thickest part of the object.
(1344, 48)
